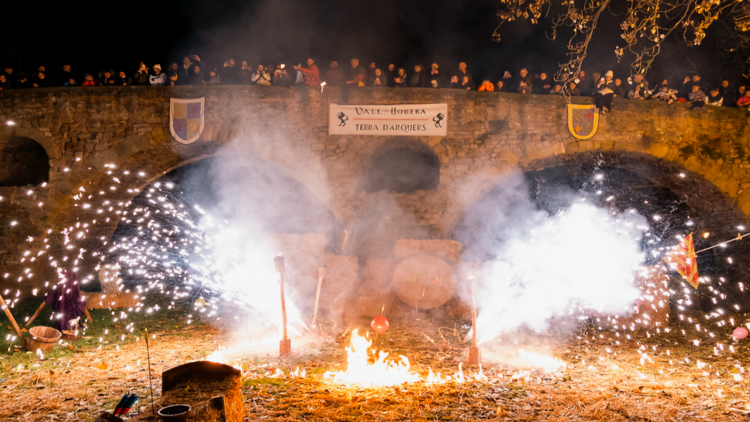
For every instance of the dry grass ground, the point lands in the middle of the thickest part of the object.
(662, 377)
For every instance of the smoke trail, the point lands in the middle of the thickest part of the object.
(545, 265)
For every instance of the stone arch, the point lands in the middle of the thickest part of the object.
(159, 160)
(401, 165)
(23, 162)
(53, 151)
(697, 191)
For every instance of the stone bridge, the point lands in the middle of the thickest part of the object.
(83, 133)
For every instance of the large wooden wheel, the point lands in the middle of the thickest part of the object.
(424, 281)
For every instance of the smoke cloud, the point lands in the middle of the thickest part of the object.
(546, 266)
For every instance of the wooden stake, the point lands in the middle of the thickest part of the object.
(13, 321)
(321, 275)
(475, 355)
(88, 315)
(36, 314)
(285, 345)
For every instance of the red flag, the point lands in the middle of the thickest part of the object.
(683, 259)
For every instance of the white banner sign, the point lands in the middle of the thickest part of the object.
(401, 120)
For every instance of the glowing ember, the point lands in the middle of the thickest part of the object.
(381, 373)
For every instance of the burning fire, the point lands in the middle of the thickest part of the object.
(381, 373)
(384, 372)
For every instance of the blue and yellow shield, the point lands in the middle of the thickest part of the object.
(583, 120)
(186, 119)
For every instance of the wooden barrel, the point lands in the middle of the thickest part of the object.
(42, 338)
(424, 281)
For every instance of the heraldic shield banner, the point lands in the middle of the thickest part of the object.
(186, 119)
(583, 120)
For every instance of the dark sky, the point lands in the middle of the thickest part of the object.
(97, 35)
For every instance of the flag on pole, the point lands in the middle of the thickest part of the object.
(683, 259)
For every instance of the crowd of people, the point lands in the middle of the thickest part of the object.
(192, 71)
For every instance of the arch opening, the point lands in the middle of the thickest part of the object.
(23, 162)
(403, 170)
(674, 202)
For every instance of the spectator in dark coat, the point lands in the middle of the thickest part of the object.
(213, 77)
(435, 78)
(40, 80)
(466, 83)
(390, 74)
(418, 79)
(65, 75)
(245, 74)
(356, 74)
(378, 79)
(573, 89)
(621, 91)
(500, 86)
(371, 71)
(727, 93)
(401, 79)
(4, 84)
(281, 77)
(543, 84)
(107, 78)
(463, 70)
(197, 77)
(142, 75)
(123, 79)
(229, 74)
(714, 98)
(185, 71)
(524, 82)
(11, 77)
(334, 76)
(584, 85)
(454, 83)
(687, 87)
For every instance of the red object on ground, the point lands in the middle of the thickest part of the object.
(739, 332)
(380, 324)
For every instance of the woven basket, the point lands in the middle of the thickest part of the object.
(42, 338)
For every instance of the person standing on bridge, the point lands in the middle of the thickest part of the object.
(605, 92)
(311, 72)
(158, 78)
(141, 75)
(356, 74)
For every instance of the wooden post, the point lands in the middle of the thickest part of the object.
(475, 355)
(285, 345)
(88, 315)
(321, 275)
(36, 314)
(13, 321)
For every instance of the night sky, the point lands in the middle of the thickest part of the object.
(96, 35)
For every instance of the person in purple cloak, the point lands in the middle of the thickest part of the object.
(66, 301)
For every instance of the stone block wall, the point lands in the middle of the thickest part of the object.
(89, 132)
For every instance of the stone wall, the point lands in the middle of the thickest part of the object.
(85, 130)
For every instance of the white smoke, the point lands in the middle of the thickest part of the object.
(547, 266)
